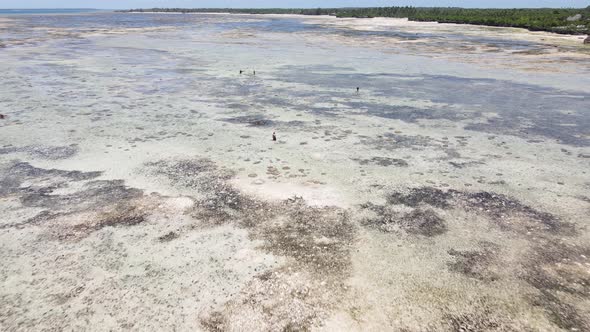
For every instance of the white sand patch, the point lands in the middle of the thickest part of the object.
(313, 192)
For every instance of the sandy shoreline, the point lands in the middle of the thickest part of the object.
(385, 22)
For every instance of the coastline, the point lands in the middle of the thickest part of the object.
(359, 18)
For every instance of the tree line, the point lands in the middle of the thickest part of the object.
(558, 20)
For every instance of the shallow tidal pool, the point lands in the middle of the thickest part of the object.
(425, 177)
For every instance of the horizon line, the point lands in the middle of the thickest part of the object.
(78, 8)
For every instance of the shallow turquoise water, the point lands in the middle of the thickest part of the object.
(47, 11)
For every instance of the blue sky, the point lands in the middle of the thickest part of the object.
(116, 4)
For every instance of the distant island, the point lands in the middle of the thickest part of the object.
(559, 20)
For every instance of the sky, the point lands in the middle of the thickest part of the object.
(121, 4)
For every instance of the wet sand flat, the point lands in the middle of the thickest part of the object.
(140, 188)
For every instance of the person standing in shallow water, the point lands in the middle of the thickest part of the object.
(274, 136)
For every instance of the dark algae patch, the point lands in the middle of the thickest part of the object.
(554, 265)
(475, 263)
(559, 272)
(17, 173)
(251, 120)
(315, 241)
(168, 237)
(469, 322)
(110, 202)
(44, 152)
(392, 141)
(417, 196)
(497, 207)
(425, 222)
(93, 194)
(383, 161)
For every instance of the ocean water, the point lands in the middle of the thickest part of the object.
(47, 11)
(140, 186)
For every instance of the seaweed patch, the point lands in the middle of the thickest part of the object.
(554, 269)
(425, 222)
(94, 205)
(316, 241)
(44, 152)
(475, 263)
(425, 195)
(393, 141)
(383, 161)
(505, 211)
(251, 120)
(16, 173)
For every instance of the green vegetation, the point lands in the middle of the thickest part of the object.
(566, 21)
(545, 19)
